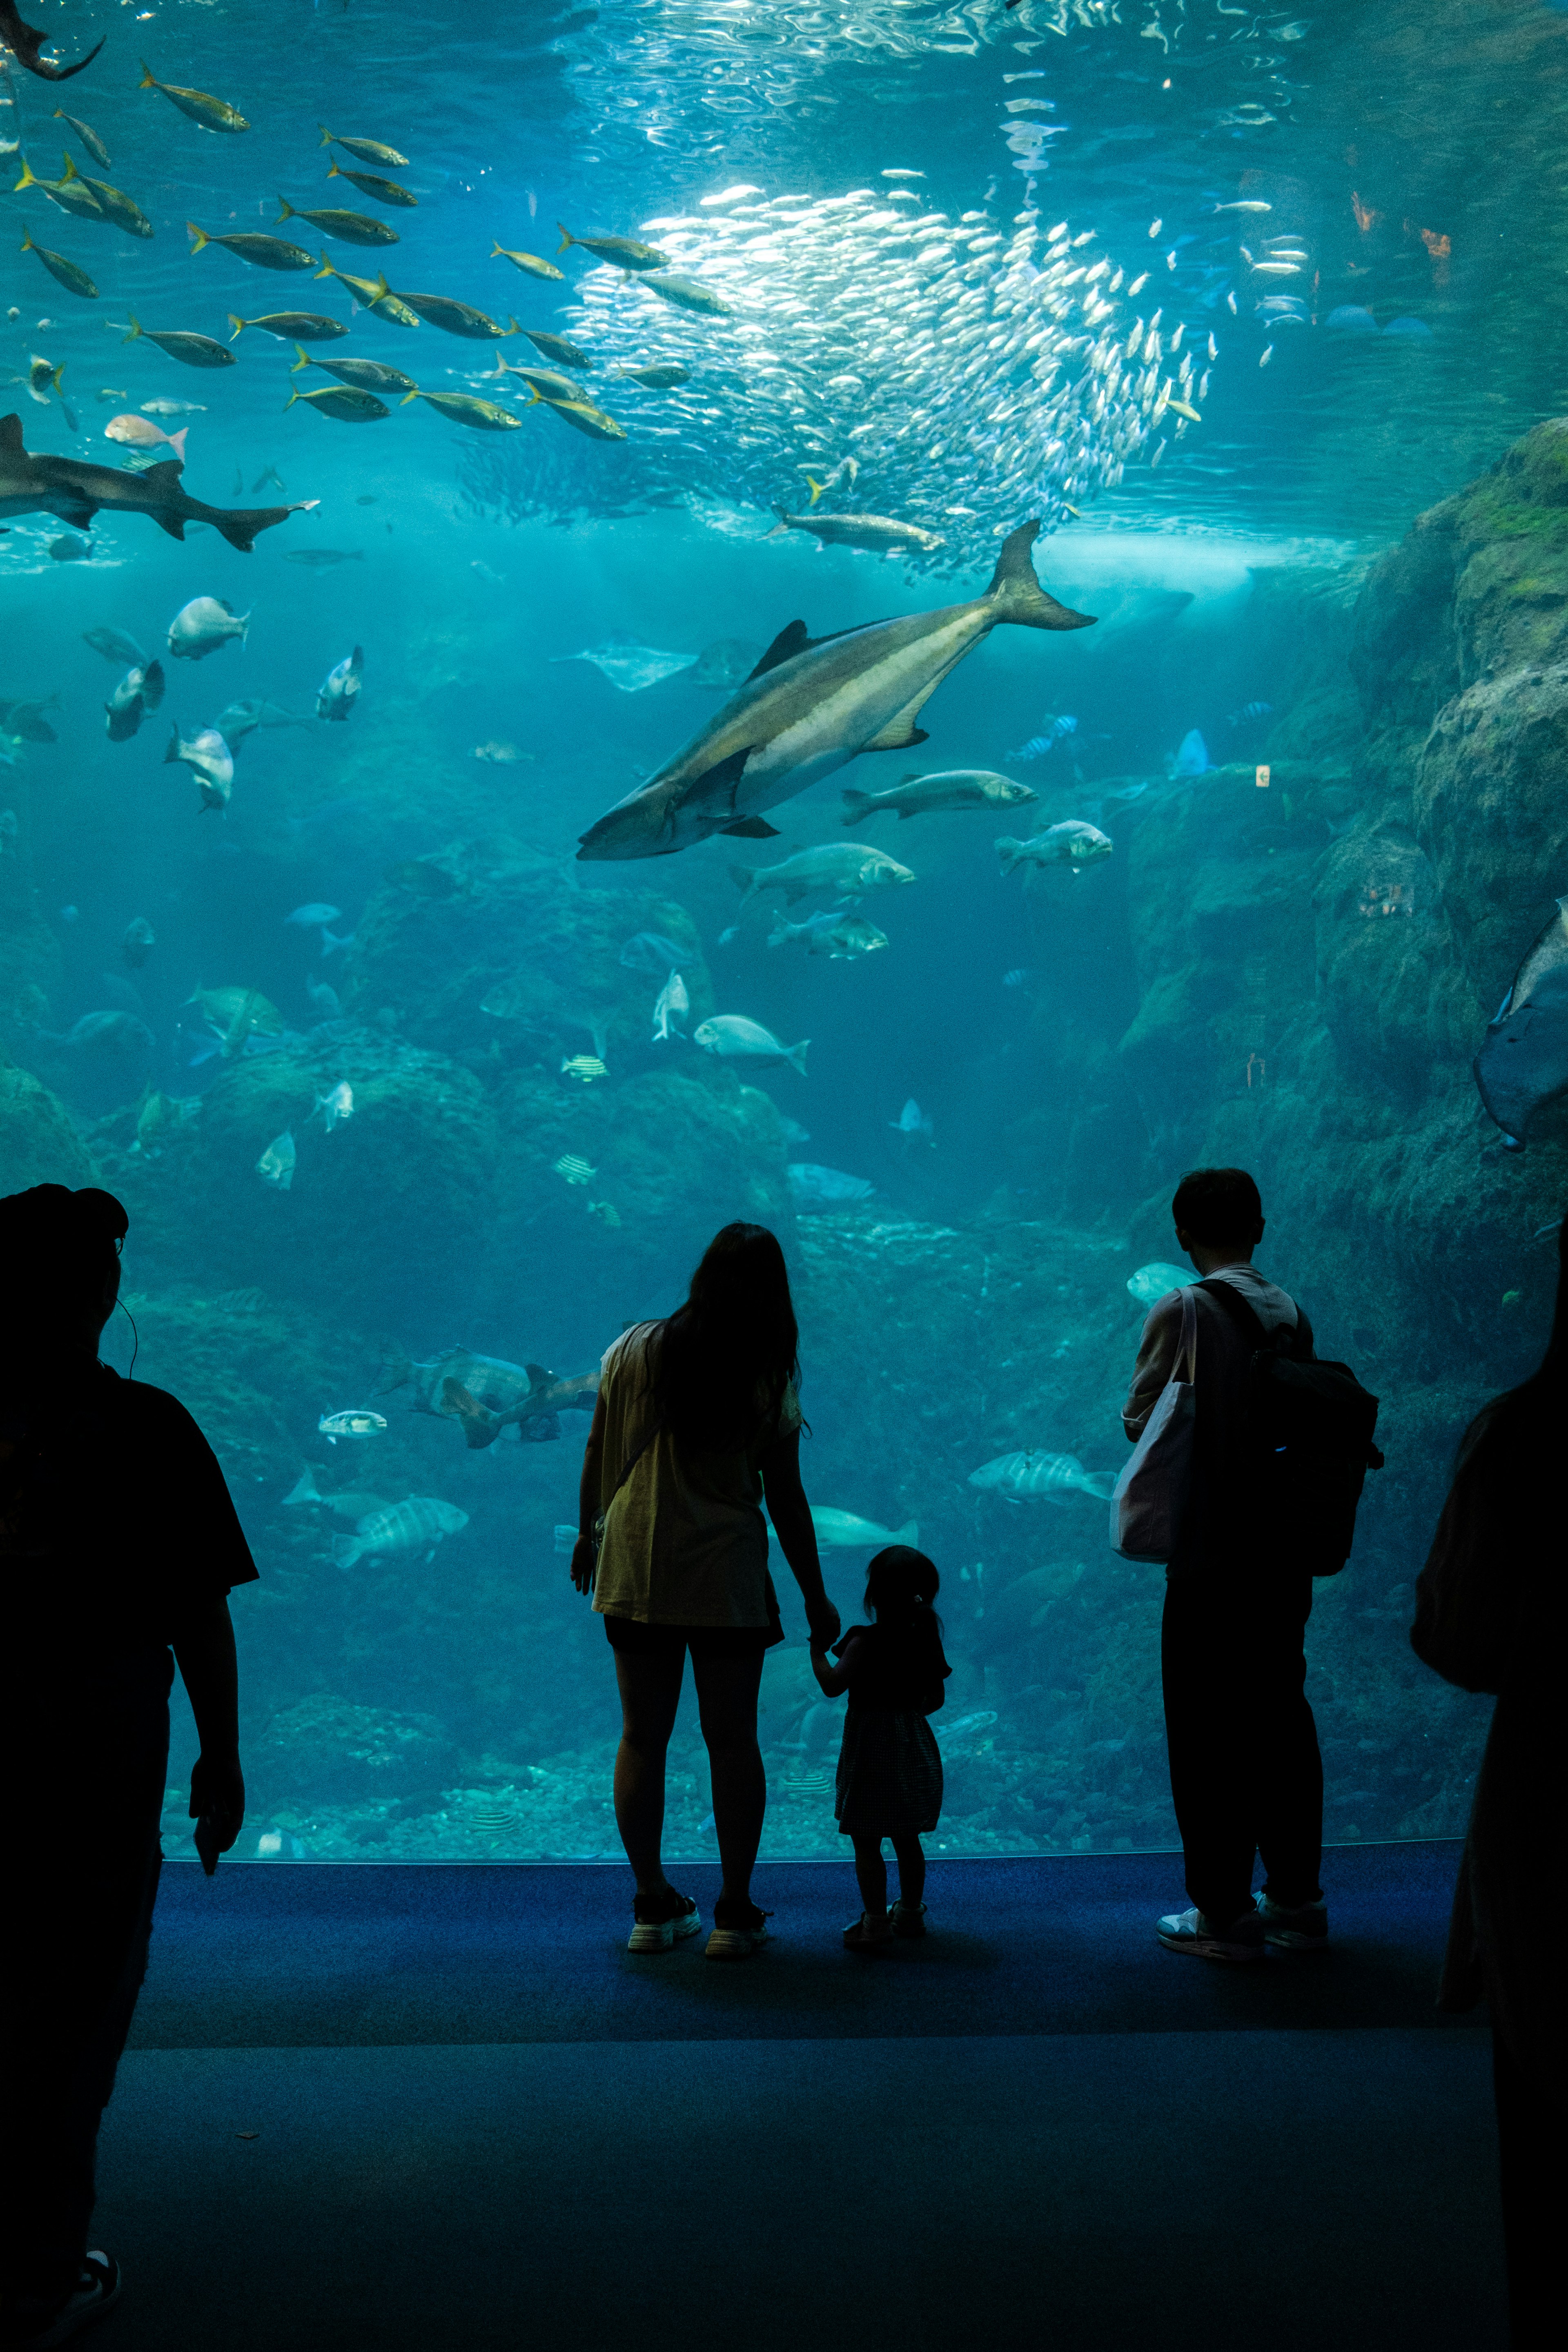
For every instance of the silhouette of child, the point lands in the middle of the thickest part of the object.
(889, 1769)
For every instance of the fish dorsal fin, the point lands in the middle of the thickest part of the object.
(11, 433)
(166, 475)
(793, 640)
(790, 641)
(538, 1378)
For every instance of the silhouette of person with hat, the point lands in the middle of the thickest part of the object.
(119, 1543)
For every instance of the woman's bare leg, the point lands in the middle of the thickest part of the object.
(911, 1869)
(727, 1697)
(650, 1693)
(871, 1877)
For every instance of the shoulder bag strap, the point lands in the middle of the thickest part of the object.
(1187, 1345)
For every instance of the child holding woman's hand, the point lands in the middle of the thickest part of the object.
(890, 1768)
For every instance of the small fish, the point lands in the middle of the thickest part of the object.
(467, 408)
(211, 114)
(373, 294)
(312, 915)
(732, 1037)
(349, 227)
(261, 252)
(141, 433)
(918, 795)
(1055, 731)
(209, 759)
(842, 938)
(842, 1531)
(115, 392)
(204, 625)
(371, 184)
(558, 347)
(1151, 1283)
(1182, 409)
(912, 1122)
(670, 1007)
(880, 534)
(191, 350)
(1072, 843)
(619, 252)
(291, 326)
(364, 375)
(529, 263)
(812, 1187)
(139, 941)
(1191, 757)
(586, 1066)
(585, 417)
(663, 376)
(453, 318)
(337, 1105)
(164, 408)
(320, 559)
(574, 1170)
(44, 377)
(340, 687)
(114, 644)
(500, 755)
(67, 273)
(423, 877)
(70, 192)
(276, 1167)
(349, 407)
(138, 692)
(687, 294)
(1041, 1477)
(325, 1001)
(1019, 977)
(88, 135)
(651, 951)
(1246, 204)
(418, 1524)
(369, 150)
(355, 1422)
(1249, 713)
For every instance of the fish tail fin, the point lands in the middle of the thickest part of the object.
(27, 180)
(783, 930)
(177, 443)
(567, 236)
(304, 1489)
(200, 235)
(70, 172)
(288, 212)
(147, 80)
(346, 1551)
(326, 269)
(855, 806)
(910, 1533)
(513, 327)
(332, 171)
(1018, 595)
(293, 396)
(303, 359)
(135, 330)
(382, 289)
(55, 375)
(741, 875)
(415, 394)
(795, 1054)
(27, 244)
(816, 487)
(240, 326)
(172, 750)
(1102, 1483)
(239, 526)
(1009, 853)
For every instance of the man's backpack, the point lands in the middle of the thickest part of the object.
(1307, 1442)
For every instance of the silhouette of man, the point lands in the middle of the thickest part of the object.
(1246, 1778)
(117, 1539)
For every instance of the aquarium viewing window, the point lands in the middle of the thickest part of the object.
(616, 358)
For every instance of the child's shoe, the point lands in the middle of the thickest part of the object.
(908, 1918)
(869, 1935)
(660, 1920)
(739, 1930)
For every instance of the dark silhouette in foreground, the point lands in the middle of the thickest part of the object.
(1488, 1616)
(890, 1768)
(75, 491)
(117, 1539)
(24, 44)
(697, 1419)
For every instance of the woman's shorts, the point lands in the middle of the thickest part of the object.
(640, 1641)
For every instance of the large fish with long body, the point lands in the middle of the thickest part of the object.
(811, 705)
(76, 492)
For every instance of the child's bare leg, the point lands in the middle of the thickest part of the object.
(871, 1874)
(911, 1869)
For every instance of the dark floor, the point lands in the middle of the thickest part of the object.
(443, 2106)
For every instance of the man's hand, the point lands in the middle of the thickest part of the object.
(584, 1565)
(217, 1806)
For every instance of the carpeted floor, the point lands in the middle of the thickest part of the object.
(444, 2108)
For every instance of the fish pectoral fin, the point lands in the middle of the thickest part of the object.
(899, 733)
(753, 828)
(790, 641)
(724, 776)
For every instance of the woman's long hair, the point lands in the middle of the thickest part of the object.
(723, 1361)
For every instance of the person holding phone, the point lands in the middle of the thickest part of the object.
(119, 1546)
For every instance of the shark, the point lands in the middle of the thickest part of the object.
(1523, 1060)
(25, 43)
(75, 491)
(811, 706)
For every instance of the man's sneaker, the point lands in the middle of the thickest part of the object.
(738, 1929)
(1295, 1928)
(96, 2291)
(1189, 1931)
(661, 1920)
(908, 1918)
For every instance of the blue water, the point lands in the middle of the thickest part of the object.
(456, 1700)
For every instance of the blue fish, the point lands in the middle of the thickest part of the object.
(1046, 741)
(1249, 711)
(1193, 758)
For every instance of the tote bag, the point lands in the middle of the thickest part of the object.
(1150, 1495)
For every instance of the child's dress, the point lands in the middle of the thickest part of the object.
(889, 1767)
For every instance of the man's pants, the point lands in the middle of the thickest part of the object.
(93, 1746)
(1246, 1775)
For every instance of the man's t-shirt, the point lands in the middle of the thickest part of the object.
(1220, 1518)
(114, 1517)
